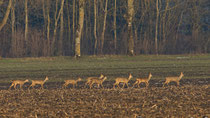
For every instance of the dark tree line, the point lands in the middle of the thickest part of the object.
(94, 27)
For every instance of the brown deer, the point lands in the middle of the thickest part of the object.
(90, 78)
(174, 79)
(97, 81)
(119, 80)
(145, 80)
(16, 82)
(38, 82)
(73, 82)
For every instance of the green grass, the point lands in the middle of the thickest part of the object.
(59, 68)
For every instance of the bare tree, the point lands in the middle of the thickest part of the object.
(104, 28)
(156, 27)
(149, 27)
(6, 15)
(130, 31)
(14, 47)
(56, 25)
(48, 27)
(164, 21)
(47, 20)
(79, 28)
(60, 43)
(69, 20)
(26, 22)
(114, 25)
(95, 26)
(73, 19)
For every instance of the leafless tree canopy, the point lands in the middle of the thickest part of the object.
(50, 27)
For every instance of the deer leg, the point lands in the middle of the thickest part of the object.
(30, 86)
(15, 86)
(114, 86)
(102, 86)
(127, 85)
(87, 84)
(20, 86)
(90, 85)
(118, 85)
(11, 86)
(123, 85)
(133, 85)
(136, 83)
(63, 86)
(165, 83)
(177, 83)
(147, 84)
(139, 85)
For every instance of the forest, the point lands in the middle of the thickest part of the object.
(36, 28)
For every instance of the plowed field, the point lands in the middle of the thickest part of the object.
(171, 101)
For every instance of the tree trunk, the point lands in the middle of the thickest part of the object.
(73, 25)
(95, 26)
(156, 27)
(69, 20)
(44, 17)
(6, 15)
(14, 43)
(136, 38)
(26, 21)
(164, 22)
(13, 19)
(60, 47)
(115, 30)
(130, 21)
(26, 28)
(55, 28)
(48, 28)
(104, 28)
(80, 27)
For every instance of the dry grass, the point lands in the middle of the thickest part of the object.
(39, 59)
(185, 101)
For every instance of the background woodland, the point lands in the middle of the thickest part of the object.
(34, 28)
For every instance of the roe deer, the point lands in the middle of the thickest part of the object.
(90, 78)
(73, 82)
(97, 81)
(38, 82)
(119, 80)
(16, 82)
(145, 80)
(174, 79)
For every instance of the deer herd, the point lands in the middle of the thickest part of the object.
(99, 81)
